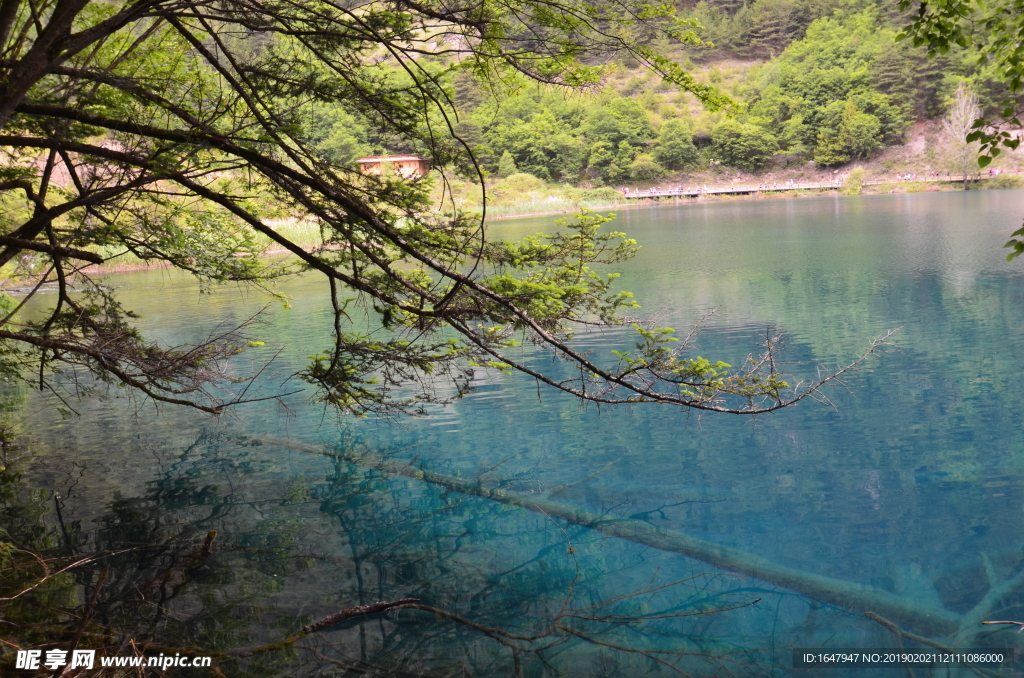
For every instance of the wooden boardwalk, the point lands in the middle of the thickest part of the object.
(697, 191)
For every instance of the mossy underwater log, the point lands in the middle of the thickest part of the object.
(847, 595)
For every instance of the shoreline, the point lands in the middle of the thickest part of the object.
(652, 201)
(656, 199)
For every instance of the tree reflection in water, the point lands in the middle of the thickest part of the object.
(225, 554)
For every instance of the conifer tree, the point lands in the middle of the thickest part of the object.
(507, 165)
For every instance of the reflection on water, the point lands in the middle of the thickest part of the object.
(911, 484)
(288, 550)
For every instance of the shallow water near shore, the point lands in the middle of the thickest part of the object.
(908, 482)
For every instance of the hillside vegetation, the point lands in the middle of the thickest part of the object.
(821, 82)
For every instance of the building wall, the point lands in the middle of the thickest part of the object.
(409, 169)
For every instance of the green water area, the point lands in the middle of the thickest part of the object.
(900, 501)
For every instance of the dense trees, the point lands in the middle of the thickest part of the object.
(507, 165)
(675, 149)
(742, 145)
(559, 139)
(846, 134)
(820, 93)
(840, 87)
(762, 28)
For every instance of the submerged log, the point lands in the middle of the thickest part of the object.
(848, 595)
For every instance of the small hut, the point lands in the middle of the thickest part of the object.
(405, 166)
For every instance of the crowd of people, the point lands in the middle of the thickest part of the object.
(667, 190)
(789, 184)
(703, 188)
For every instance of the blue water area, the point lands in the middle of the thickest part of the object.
(908, 479)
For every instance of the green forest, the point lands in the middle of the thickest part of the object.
(816, 80)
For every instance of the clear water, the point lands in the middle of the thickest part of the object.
(908, 483)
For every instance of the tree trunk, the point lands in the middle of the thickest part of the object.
(848, 595)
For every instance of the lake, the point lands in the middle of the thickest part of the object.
(909, 483)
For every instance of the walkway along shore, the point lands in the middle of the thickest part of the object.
(788, 186)
(636, 196)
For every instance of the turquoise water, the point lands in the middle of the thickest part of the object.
(908, 482)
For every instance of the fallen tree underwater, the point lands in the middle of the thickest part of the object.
(851, 596)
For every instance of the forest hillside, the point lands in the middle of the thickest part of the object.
(823, 86)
